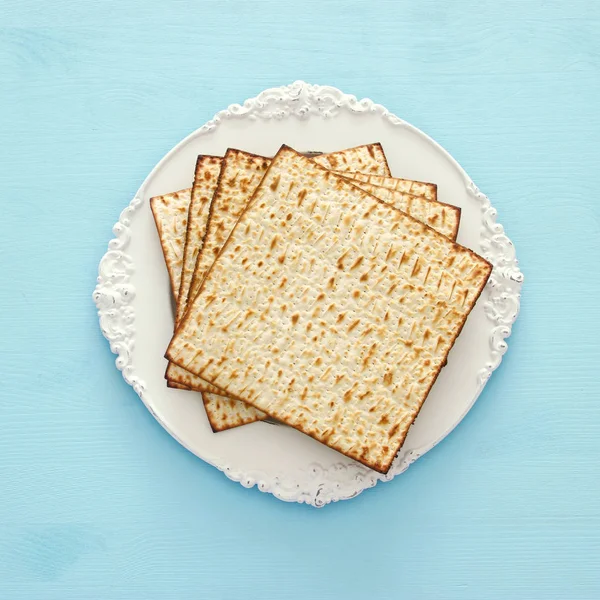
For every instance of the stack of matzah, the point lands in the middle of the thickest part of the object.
(321, 292)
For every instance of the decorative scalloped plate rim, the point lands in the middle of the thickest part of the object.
(342, 478)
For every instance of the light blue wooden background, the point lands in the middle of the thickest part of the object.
(96, 501)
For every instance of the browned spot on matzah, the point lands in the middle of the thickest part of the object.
(275, 183)
(353, 325)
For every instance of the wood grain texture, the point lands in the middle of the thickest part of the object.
(96, 501)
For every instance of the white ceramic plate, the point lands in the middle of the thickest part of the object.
(134, 303)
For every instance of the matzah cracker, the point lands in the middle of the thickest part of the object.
(369, 159)
(418, 188)
(170, 214)
(205, 182)
(330, 310)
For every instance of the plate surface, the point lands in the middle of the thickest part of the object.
(136, 313)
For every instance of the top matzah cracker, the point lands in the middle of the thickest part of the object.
(330, 310)
(369, 159)
(170, 215)
(418, 188)
(205, 182)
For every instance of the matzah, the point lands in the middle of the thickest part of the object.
(419, 188)
(330, 310)
(170, 214)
